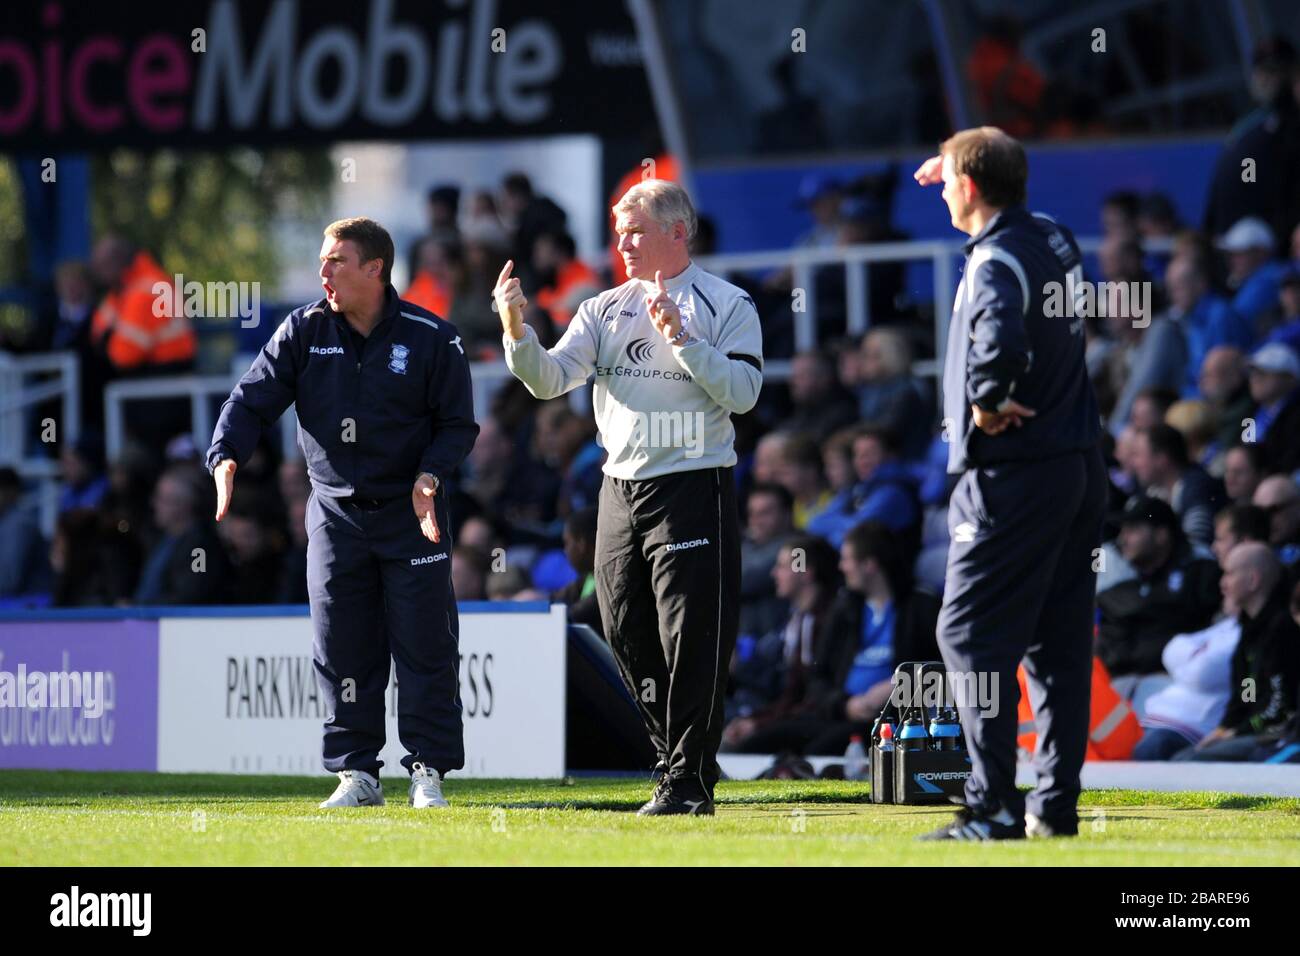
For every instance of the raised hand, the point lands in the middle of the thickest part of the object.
(930, 171)
(510, 299)
(665, 315)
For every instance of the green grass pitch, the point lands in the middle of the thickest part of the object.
(54, 818)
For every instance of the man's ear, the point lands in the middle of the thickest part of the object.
(970, 192)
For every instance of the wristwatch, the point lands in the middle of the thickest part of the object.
(681, 333)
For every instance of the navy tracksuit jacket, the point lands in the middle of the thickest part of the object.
(1025, 514)
(373, 414)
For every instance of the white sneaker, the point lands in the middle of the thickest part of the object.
(426, 787)
(356, 789)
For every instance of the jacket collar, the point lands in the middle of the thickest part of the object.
(387, 312)
(1001, 219)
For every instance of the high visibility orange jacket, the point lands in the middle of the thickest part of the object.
(1113, 728)
(569, 280)
(428, 293)
(137, 321)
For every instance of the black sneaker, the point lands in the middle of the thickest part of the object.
(1038, 828)
(662, 782)
(678, 797)
(969, 825)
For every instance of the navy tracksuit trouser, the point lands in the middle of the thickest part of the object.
(381, 591)
(1021, 585)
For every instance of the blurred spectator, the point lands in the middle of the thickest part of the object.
(81, 469)
(95, 561)
(769, 522)
(74, 290)
(1160, 462)
(801, 475)
(1269, 139)
(1253, 275)
(769, 458)
(1235, 524)
(1223, 383)
(469, 573)
(441, 206)
(1275, 386)
(1279, 496)
(885, 490)
(511, 583)
(1243, 469)
(876, 621)
(432, 277)
(1284, 326)
(125, 326)
(889, 395)
(1119, 215)
(24, 564)
(821, 195)
(769, 677)
(1150, 408)
(1267, 658)
(1196, 422)
(1157, 218)
(188, 564)
(1190, 703)
(1007, 86)
(1149, 353)
(1207, 321)
(482, 223)
(565, 279)
(527, 215)
(565, 442)
(293, 566)
(821, 404)
(256, 547)
(580, 550)
(1173, 592)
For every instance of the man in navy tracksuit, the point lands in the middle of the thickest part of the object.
(1025, 516)
(385, 413)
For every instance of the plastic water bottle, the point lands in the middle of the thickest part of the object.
(913, 735)
(945, 730)
(886, 738)
(855, 760)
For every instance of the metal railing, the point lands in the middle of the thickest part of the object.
(18, 399)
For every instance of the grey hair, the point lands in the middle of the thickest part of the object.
(663, 201)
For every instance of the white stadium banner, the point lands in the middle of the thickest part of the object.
(239, 695)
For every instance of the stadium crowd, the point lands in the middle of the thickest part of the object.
(841, 473)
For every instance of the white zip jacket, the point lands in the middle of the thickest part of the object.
(659, 408)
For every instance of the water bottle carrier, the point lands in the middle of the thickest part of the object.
(916, 770)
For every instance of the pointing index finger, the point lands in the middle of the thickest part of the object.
(659, 280)
(505, 271)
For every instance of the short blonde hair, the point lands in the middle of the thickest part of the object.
(663, 201)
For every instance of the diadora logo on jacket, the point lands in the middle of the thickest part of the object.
(430, 559)
(326, 350)
(683, 545)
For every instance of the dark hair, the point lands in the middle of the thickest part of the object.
(372, 241)
(887, 437)
(1167, 440)
(993, 160)
(823, 563)
(874, 539)
(783, 497)
(803, 450)
(1125, 200)
(1253, 451)
(517, 184)
(562, 241)
(1248, 522)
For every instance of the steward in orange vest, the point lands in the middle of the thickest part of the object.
(134, 325)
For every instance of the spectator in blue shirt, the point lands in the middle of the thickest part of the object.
(1207, 320)
(1253, 274)
(885, 490)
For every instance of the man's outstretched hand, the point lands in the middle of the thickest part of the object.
(422, 500)
(224, 476)
(994, 423)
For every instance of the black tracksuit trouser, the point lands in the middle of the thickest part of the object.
(668, 585)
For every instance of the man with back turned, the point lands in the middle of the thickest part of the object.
(1025, 516)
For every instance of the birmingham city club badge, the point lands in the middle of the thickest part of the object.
(397, 359)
